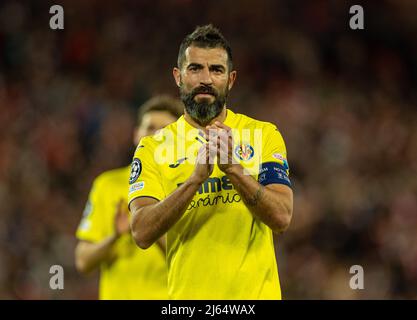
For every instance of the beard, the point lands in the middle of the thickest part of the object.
(203, 112)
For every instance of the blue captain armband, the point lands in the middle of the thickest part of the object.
(273, 172)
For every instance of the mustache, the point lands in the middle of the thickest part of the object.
(204, 89)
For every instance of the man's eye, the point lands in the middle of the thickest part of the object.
(193, 68)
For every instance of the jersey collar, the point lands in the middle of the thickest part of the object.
(230, 118)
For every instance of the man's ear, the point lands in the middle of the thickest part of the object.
(232, 78)
(177, 76)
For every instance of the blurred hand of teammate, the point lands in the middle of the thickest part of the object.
(121, 219)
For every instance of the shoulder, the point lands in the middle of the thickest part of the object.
(268, 132)
(248, 122)
(111, 177)
(161, 136)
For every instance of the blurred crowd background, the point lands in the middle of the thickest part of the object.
(344, 100)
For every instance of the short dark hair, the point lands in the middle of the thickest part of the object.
(161, 103)
(205, 37)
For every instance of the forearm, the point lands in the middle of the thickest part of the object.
(152, 222)
(90, 255)
(266, 204)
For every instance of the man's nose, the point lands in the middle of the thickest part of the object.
(205, 77)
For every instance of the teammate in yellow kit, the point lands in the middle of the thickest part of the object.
(215, 181)
(127, 272)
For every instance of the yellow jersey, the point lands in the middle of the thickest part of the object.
(218, 249)
(132, 273)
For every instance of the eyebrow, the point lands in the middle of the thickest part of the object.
(211, 67)
(217, 66)
(194, 64)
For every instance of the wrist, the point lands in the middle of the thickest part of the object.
(194, 180)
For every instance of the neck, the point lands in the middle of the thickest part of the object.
(221, 117)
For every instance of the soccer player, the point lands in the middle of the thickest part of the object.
(221, 190)
(127, 272)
